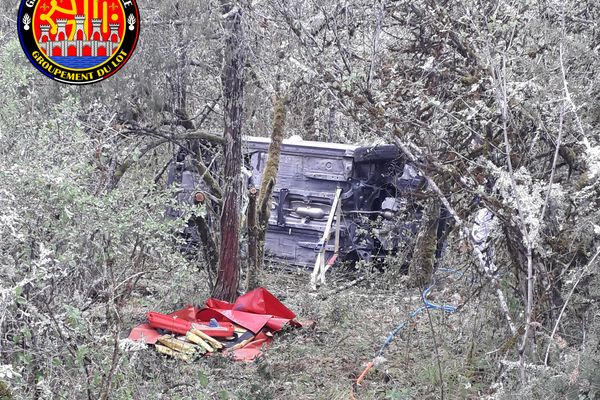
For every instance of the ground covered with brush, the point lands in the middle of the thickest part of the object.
(323, 362)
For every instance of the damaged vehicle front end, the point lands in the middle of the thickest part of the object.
(379, 211)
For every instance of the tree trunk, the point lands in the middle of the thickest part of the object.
(209, 248)
(260, 210)
(252, 280)
(421, 266)
(226, 286)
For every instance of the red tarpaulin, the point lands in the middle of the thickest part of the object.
(257, 311)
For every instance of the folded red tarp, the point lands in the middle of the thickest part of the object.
(254, 311)
(258, 301)
(252, 322)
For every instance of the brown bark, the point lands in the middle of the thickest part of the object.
(226, 286)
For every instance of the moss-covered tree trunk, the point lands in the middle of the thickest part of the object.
(258, 217)
(423, 260)
(252, 277)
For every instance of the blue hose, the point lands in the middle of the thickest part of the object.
(428, 305)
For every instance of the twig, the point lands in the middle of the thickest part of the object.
(375, 42)
(437, 352)
(499, 76)
(568, 98)
(562, 311)
(556, 151)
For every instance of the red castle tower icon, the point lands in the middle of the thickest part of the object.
(86, 29)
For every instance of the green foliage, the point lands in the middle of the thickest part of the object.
(71, 250)
(202, 379)
(5, 393)
(401, 394)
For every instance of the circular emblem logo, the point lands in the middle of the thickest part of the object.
(78, 41)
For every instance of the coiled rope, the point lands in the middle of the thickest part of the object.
(426, 305)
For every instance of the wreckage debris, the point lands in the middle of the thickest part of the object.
(177, 345)
(182, 326)
(173, 353)
(240, 329)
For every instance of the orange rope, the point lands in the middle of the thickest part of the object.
(364, 373)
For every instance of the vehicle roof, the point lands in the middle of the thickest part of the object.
(303, 143)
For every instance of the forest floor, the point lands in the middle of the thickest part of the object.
(324, 362)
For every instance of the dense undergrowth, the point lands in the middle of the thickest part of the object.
(473, 347)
